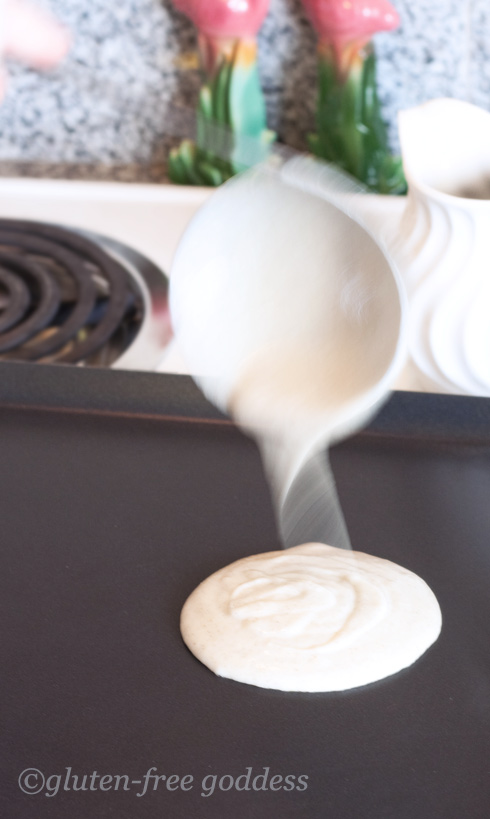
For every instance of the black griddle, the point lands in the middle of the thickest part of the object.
(120, 492)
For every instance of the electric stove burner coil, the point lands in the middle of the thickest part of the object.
(62, 295)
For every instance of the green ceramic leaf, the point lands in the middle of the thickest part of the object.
(231, 131)
(350, 129)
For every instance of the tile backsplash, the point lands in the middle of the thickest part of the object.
(133, 62)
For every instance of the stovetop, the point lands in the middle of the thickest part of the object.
(77, 299)
(145, 222)
(83, 271)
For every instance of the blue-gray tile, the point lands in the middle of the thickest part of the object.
(288, 67)
(424, 58)
(108, 101)
(112, 99)
(480, 54)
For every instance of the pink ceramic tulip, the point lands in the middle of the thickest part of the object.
(350, 129)
(225, 18)
(342, 21)
(231, 104)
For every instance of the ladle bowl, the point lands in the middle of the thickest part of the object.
(287, 310)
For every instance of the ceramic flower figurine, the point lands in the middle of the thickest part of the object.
(350, 130)
(225, 18)
(231, 107)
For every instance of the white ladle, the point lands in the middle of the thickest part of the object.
(291, 315)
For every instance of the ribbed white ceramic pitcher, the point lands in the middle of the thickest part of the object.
(443, 251)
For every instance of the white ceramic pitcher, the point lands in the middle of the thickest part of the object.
(443, 251)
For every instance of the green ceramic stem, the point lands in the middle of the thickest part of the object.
(350, 130)
(231, 110)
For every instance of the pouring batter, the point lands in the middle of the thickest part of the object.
(292, 317)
